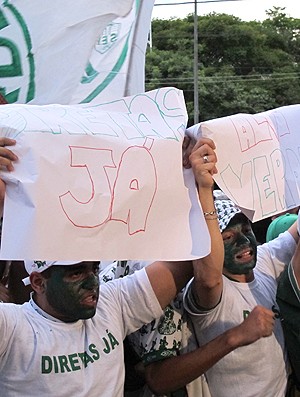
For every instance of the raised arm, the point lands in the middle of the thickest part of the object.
(207, 285)
(174, 373)
(294, 232)
(169, 278)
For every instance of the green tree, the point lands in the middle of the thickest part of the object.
(243, 66)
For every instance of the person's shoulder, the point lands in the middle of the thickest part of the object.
(282, 237)
(138, 277)
(11, 312)
(13, 307)
(282, 241)
(288, 289)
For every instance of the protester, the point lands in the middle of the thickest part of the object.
(174, 363)
(67, 340)
(222, 295)
(288, 299)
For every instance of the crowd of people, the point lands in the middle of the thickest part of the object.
(223, 325)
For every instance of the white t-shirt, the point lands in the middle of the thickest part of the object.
(259, 369)
(42, 357)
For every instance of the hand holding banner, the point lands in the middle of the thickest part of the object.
(258, 159)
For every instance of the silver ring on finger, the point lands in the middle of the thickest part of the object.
(205, 159)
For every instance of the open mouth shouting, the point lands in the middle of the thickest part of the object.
(244, 256)
(90, 299)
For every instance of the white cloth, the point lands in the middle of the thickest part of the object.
(258, 369)
(41, 357)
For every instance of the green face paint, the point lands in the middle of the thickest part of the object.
(240, 246)
(73, 291)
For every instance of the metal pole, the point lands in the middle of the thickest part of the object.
(196, 86)
(150, 36)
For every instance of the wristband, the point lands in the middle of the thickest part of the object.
(211, 215)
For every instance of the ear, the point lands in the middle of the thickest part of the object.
(37, 282)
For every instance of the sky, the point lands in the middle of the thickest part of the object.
(247, 10)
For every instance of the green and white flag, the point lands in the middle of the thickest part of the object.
(46, 46)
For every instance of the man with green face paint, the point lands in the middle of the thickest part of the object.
(65, 341)
(174, 363)
(71, 293)
(223, 294)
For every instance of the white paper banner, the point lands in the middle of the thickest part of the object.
(45, 46)
(101, 182)
(258, 159)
